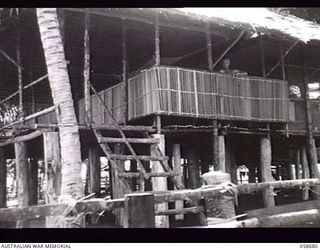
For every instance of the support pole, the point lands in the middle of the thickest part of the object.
(265, 166)
(283, 69)
(157, 41)
(159, 183)
(19, 74)
(3, 179)
(33, 181)
(311, 146)
(305, 171)
(263, 62)
(86, 68)
(215, 143)
(297, 163)
(124, 71)
(209, 47)
(176, 153)
(221, 154)
(95, 171)
(52, 163)
(22, 179)
(139, 210)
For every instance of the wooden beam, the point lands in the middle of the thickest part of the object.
(139, 210)
(283, 69)
(282, 58)
(3, 179)
(131, 140)
(22, 138)
(257, 213)
(86, 68)
(182, 211)
(22, 178)
(95, 171)
(229, 48)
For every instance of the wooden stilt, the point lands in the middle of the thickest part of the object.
(305, 171)
(297, 164)
(231, 164)
(20, 84)
(22, 178)
(159, 183)
(95, 171)
(124, 71)
(3, 179)
(33, 181)
(221, 154)
(176, 152)
(215, 143)
(265, 166)
(139, 211)
(53, 175)
(133, 169)
(252, 172)
(86, 68)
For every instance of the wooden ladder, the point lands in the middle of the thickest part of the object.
(123, 139)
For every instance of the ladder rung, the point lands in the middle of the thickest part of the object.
(126, 128)
(148, 175)
(140, 157)
(130, 140)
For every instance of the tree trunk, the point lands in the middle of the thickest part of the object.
(71, 187)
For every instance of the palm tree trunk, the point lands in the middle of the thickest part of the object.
(71, 187)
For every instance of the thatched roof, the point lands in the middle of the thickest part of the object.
(256, 20)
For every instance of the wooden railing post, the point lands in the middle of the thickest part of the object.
(139, 210)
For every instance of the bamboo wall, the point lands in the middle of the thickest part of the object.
(113, 98)
(183, 92)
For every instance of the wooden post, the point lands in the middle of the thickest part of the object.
(133, 169)
(311, 147)
(33, 181)
(159, 183)
(124, 71)
(95, 171)
(215, 143)
(193, 168)
(209, 47)
(297, 163)
(3, 179)
(139, 210)
(263, 63)
(52, 162)
(157, 40)
(283, 69)
(22, 178)
(86, 68)
(176, 153)
(265, 166)
(221, 154)
(19, 74)
(305, 171)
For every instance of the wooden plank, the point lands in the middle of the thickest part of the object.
(139, 210)
(95, 171)
(130, 140)
(140, 157)
(3, 179)
(282, 209)
(138, 128)
(147, 175)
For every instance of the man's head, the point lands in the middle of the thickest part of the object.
(226, 63)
